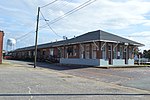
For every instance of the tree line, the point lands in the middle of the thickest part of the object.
(146, 54)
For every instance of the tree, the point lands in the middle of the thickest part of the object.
(146, 54)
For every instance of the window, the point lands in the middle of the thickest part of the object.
(82, 51)
(29, 53)
(74, 50)
(109, 48)
(70, 51)
(130, 53)
(104, 52)
(93, 51)
(87, 51)
(44, 52)
(51, 51)
(121, 52)
(59, 52)
(62, 52)
(115, 53)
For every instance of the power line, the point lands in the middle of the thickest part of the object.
(70, 12)
(73, 10)
(32, 30)
(24, 35)
(49, 25)
(48, 4)
(60, 5)
(61, 17)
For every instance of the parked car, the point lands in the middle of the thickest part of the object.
(7, 57)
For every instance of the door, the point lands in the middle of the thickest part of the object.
(110, 54)
(126, 56)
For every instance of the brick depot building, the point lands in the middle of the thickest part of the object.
(96, 48)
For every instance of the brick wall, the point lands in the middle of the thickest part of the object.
(1, 45)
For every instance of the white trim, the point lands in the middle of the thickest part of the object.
(125, 48)
(118, 62)
(115, 46)
(82, 46)
(96, 45)
(103, 45)
(110, 41)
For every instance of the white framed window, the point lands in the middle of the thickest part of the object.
(51, 51)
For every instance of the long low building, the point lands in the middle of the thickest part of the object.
(96, 48)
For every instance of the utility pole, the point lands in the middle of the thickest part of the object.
(37, 26)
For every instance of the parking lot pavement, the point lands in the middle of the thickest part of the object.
(20, 81)
(132, 77)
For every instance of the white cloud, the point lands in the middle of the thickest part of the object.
(142, 37)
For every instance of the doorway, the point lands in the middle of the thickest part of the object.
(110, 54)
(126, 56)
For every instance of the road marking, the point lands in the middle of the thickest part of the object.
(30, 93)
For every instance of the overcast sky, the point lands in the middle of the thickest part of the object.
(126, 18)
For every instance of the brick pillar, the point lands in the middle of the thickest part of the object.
(128, 51)
(84, 51)
(1, 46)
(112, 51)
(90, 51)
(106, 50)
(118, 48)
(98, 52)
(64, 52)
(78, 51)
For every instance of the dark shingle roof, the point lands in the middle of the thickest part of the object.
(111, 37)
(88, 37)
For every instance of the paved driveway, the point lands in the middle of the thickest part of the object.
(20, 81)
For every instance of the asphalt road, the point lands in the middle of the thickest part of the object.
(20, 81)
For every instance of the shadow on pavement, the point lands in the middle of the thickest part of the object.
(58, 66)
(103, 94)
